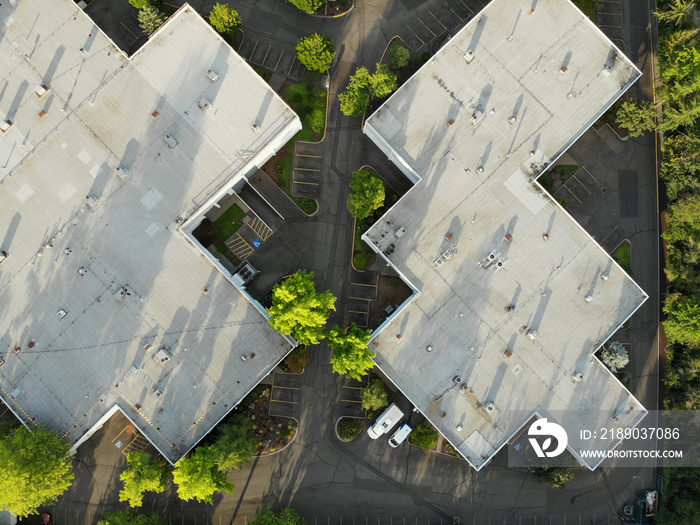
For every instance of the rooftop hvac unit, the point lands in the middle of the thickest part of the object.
(477, 116)
(16, 392)
(578, 377)
(157, 393)
(255, 127)
(204, 103)
(212, 75)
(121, 293)
(533, 334)
(121, 172)
(4, 126)
(163, 356)
(41, 90)
(170, 141)
(3, 255)
(469, 56)
(90, 200)
(489, 407)
(400, 232)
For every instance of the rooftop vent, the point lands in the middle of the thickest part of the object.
(212, 75)
(429, 348)
(589, 298)
(4, 126)
(451, 122)
(170, 141)
(157, 393)
(42, 114)
(61, 313)
(563, 70)
(469, 56)
(256, 127)
(400, 232)
(4, 255)
(457, 379)
(155, 114)
(533, 334)
(122, 293)
(578, 377)
(2, 361)
(480, 169)
(508, 352)
(90, 200)
(204, 103)
(121, 172)
(83, 51)
(499, 264)
(605, 276)
(489, 407)
(513, 119)
(41, 90)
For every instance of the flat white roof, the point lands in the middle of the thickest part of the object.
(99, 115)
(552, 302)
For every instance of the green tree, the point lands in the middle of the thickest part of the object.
(614, 355)
(225, 19)
(424, 436)
(399, 55)
(150, 19)
(140, 4)
(130, 517)
(374, 396)
(637, 117)
(142, 474)
(677, 12)
(367, 194)
(309, 6)
(198, 476)
(235, 444)
(681, 164)
(34, 469)
(365, 87)
(266, 516)
(683, 236)
(351, 355)
(682, 324)
(298, 310)
(557, 477)
(316, 52)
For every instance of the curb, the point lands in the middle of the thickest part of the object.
(331, 17)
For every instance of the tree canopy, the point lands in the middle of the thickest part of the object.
(309, 6)
(637, 117)
(225, 19)
(681, 164)
(130, 517)
(683, 322)
(424, 436)
(316, 52)
(142, 474)
(365, 87)
(198, 476)
(299, 310)
(374, 396)
(150, 19)
(34, 469)
(267, 516)
(351, 355)
(677, 12)
(367, 194)
(140, 4)
(235, 445)
(614, 355)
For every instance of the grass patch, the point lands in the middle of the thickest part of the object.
(307, 204)
(627, 324)
(229, 222)
(622, 256)
(589, 8)
(310, 105)
(362, 260)
(565, 171)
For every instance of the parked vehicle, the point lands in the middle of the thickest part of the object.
(385, 422)
(400, 435)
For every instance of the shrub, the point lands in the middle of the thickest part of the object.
(374, 396)
(348, 429)
(614, 355)
(424, 436)
(140, 4)
(309, 6)
(297, 360)
(399, 55)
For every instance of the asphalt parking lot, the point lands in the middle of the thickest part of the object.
(433, 21)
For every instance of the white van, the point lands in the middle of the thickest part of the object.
(385, 422)
(400, 435)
